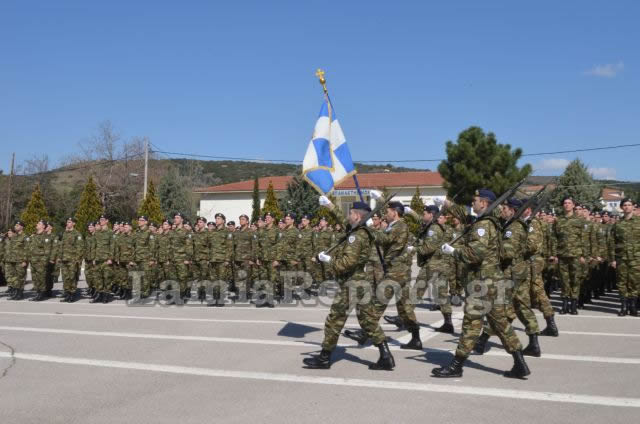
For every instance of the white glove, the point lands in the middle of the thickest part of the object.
(324, 201)
(324, 257)
(410, 249)
(369, 222)
(438, 202)
(407, 210)
(375, 194)
(447, 249)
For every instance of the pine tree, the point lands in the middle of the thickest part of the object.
(418, 206)
(173, 195)
(300, 198)
(475, 161)
(35, 211)
(150, 205)
(577, 182)
(271, 203)
(89, 207)
(255, 205)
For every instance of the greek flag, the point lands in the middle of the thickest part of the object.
(328, 160)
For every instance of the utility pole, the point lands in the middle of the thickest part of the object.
(146, 165)
(10, 189)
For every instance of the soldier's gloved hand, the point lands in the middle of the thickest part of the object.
(323, 257)
(410, 249)
(447, 249)
(324, 201)
(369, 222)
(377, 195)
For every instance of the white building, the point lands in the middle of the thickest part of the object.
(610, 199)
(234, 199)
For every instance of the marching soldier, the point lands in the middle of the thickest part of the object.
(349, 267)
(70, 258)
(322, 242)
(481, 253)
(306, 248)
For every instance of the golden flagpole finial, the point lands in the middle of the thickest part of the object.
(323, 81)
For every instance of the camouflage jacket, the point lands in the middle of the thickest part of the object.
(287, 249)
(17, 251)
(567, 232)
(429, 252)
(90, 247)
(481, 251)
(350, 262)
(104, 245)
(201, 245)
(514, 245)
(269, 243)
(244, 245)
(144, 244)
(181, 245)
(125, 249)
(305, 246)
(40, 248)
(163, 247)
(624, 241)
(221, 245)
(393, 242)
(71, 246)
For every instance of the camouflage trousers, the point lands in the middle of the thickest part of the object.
(120, 275)
(89, 274)
(52, 275)
(389, 288)
(166, 272)
(440, 286)
(570, 270)
(103, 277)
(200, 270)
(183, 274)
(287, 277)
(358, 295)
(39, 275)
(482, 301)
(628, 278)
(15, 274)
(70, 275)
(539, 298)
(147, 277)
(219, 276)
(243, 276)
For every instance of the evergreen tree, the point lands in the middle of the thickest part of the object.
(300, 198)
(475, 161)
(271, 203)
(89, 207)
(255, 205)
(150, 205)
(173, 195)
(35, 211)
(576, 181)
(418, 206)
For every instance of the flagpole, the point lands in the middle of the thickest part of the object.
(323, 82)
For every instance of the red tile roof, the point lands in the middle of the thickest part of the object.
(612, 194)
(373, 180)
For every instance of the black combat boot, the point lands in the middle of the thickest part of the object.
(97, 298)
(322, 361)
(623, 307)
(533, 349)
(358, 335)
(72, 297)
(551, 329)
(91, 291)
(106, 297)
(385, 361)
(565, 306)
(447, 327)
(115, 288)
(414, 343)
(19, 295)
(574, 306)
(481, 343)
(39, 297)
(10, 291)
(633, 306)
(454, 369)
(520, 368)
(397, 321)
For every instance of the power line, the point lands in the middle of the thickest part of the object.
(89, 164)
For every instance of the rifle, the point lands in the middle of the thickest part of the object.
(437, 215)
(543, 201)
(491, 207)
(523, 208)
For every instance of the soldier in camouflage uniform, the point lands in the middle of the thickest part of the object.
(322, 242)
(144, 257)
(120, 275)
(482, 255)
(39, 253)
(70, 258)
(268, 249)
(182, 248)
(166, 271)
(103, 260)
(569, 253)
(356, 290)
(89, 257)
(287, 258)
(2, 244)
(624, 249)
(221, 256)
(16, 259)
(201, 255)
(244, 247)
(124, 258)
(52, 269)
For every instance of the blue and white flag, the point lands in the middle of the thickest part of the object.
(328, 160)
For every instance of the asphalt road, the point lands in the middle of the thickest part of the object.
(95, 363)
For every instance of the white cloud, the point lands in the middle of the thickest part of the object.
(552, 164)
(609, 70)
(603, 173)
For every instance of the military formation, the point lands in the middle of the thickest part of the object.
(504, 258)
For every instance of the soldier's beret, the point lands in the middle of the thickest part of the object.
(201, 219)
(324, 218)
(231, 224)
(307, 216)
(167, 220)
(281, 221)
(244, 216)
(486, 193)
(432, 209)
(568, 197)
(125, 223)
(180, 214)
(290, 215)
(397, 206)
(103, 217)
(91, 224)
(514, 203)
(625, 200)
(210, 223)
(605, 213)
(266, 214)
(375, 215)
(187, 222)
(43, 222)
(72, 219)
(20, 223)
(586, 207)
(144, 217)
(220, 215)
(361, 206)
(152, 224)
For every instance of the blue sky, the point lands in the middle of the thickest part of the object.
(237, 78)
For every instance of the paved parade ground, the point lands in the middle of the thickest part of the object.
(111, 363)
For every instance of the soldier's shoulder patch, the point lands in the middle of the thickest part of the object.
(508, 234)
(229, 235)
(279, 235)
(430, 233)
(188, 235)
(79, 237)
(481, 232)
(387, 230)
(255, 237)
(531, 229)
(352, 239)
(151, 237)
(299, 235)
(27, 239)
(46, 240)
